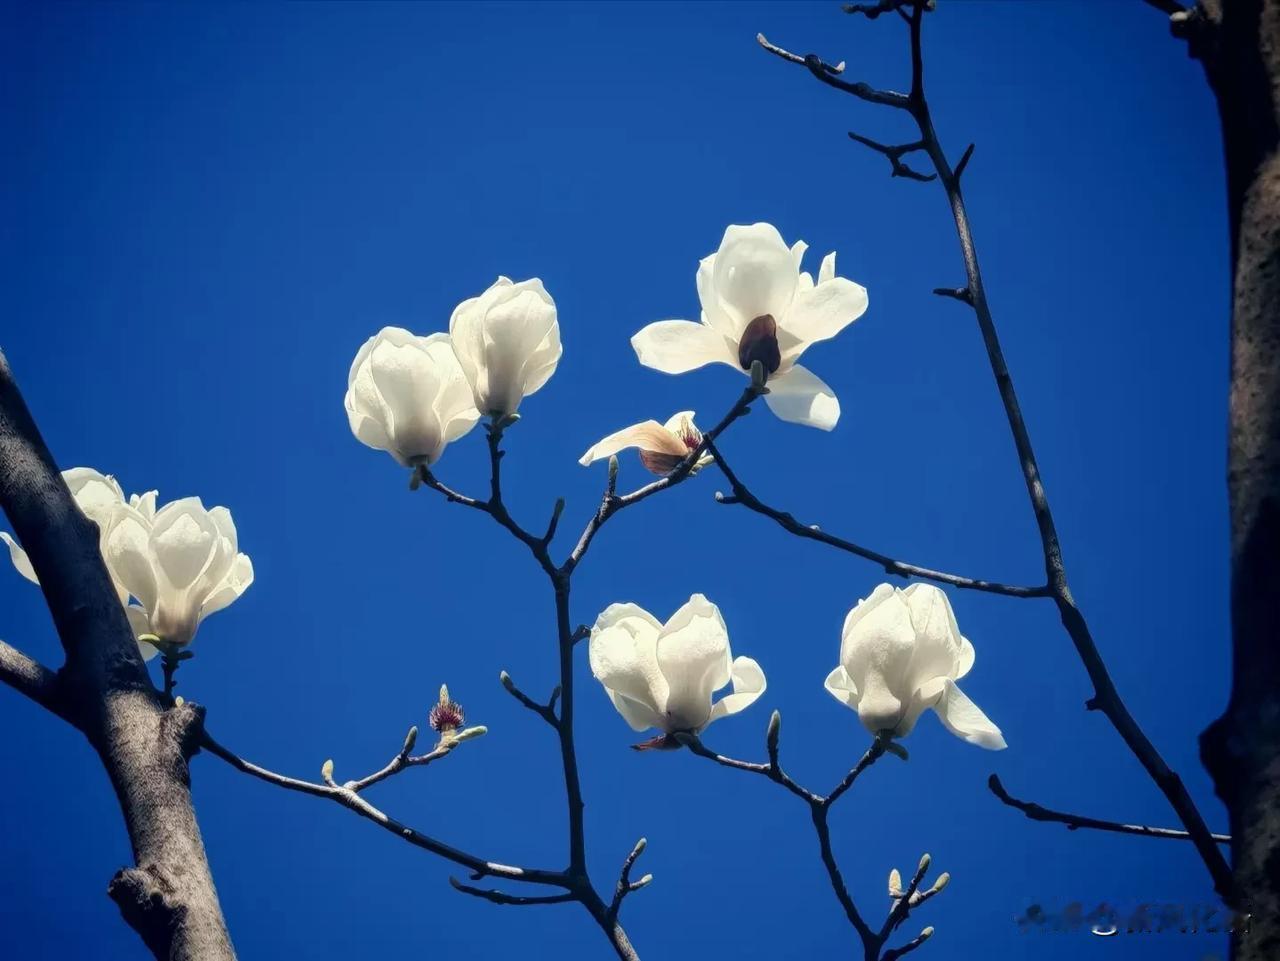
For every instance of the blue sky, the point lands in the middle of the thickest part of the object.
(207, 209)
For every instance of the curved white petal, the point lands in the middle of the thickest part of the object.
(754, 274)
(623, 655)
(840, 686)
(821, 312)
(235, 583)
(693, 655)
(141, 624)
(126, 549)
(828, 269)
(679, 346)
(184, 542)
(748, 684)
(20, 559)
(798, 396)
(638, 714)
(965, 719)
(648, 435)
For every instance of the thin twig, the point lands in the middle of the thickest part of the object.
(625, 885)
(349, 799)
(501, 897)
(1073, 822)
(894, 155)
(545, 711)
(743, 495)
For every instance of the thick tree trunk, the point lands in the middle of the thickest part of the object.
(104, 690)
(1239, 43)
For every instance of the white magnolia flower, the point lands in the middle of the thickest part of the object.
(182, 563)
(508, 343)
(901, 653)
(95, 494)
(758, 305)
(663, 675)
(662, 446)
(406, 395)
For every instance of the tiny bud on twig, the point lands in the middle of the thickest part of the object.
(895, 883)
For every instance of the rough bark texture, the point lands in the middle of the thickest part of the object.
(1239, 43)
(104, 690)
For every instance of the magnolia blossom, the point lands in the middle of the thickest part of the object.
(901, 653)
(508, 343)
(662, 446)
(407, 395)
(663, 675)
(95, 494)
(758, 305)
(182, 563)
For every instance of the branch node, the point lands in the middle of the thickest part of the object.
(964, 161)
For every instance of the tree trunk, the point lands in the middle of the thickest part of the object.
(104, 690)
(1239, 43)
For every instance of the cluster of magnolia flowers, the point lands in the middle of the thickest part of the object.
(172, 566)
(901, 653)
(413, 395)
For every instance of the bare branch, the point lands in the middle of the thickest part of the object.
(961, 294)
(501, 897)
(29, 677)
(894, 953)
(545, 711)
(743, 495)
(895, 154)
(625, 885)
(349, 799)
(1076, 821)
(964, 161)
(830, 75)
(404, 760)
(1106, 698)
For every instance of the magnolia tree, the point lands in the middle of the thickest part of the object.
(129, 578)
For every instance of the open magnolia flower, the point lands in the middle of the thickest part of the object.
(407, 395)
(662, 446)
(901, 653)
(182, 563)
(663, 675)
(758, 305)
(508, 343)
(95, 494)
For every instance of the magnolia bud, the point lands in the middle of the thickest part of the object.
(895, 884)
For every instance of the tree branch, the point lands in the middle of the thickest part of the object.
(1076, 821)
(743, 495)
(346, 796)
(894, 155)
(1106, 698)
(142, 739)
(30, 678)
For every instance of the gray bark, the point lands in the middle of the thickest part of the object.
(144, 741)
(1239, 44)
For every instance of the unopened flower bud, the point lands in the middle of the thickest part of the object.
(895, 884)
(943, 880)
(925, 860)
(760, 342)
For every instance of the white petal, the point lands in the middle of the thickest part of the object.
(20, 559)
(144, 503)
(236, 581)
(693, 654)
(965, 719)
(713, 314)
(640, 716)
(126, 549)
(825, 310)
(938, 641)
(797, 252)
(623, 655)
(141, 624)
(754, 274)
(840, 686)
(409, 380)
(184, 542)
(828, 269)
(648, 435)
(514, 329)
(748, 684)
(679, 346)
(800, 397)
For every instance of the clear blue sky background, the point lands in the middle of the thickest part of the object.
(206, 210)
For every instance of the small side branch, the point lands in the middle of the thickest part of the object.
(743, 495)
(830, 75)
(895, 154)
(501, 897)
(29, 677)
(545, 711)
(625, 885)
(348, 798)
(1074, 822)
